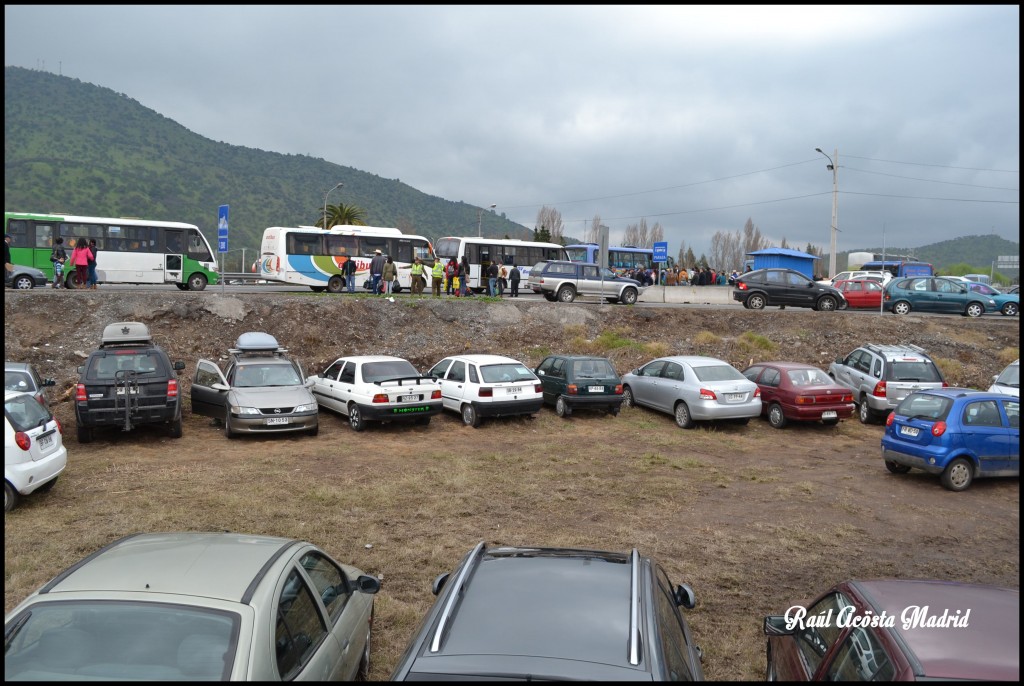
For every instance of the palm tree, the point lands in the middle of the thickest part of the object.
(343, 214)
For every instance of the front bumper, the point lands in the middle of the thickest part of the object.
(257, 424)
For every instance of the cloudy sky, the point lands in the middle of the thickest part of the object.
(696, 118)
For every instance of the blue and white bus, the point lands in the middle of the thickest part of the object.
(620, 258)
(480, 252)
(900, 268)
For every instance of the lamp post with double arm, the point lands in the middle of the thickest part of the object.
(338, 185)
(833, 166)
(480, 219)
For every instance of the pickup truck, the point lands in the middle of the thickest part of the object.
(565, 281)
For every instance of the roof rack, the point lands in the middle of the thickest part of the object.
(125, 333)
(881, 348)
(257, 343)
(471, 561)
(634, 608)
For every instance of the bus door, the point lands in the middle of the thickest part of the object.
(45, 232)
(174, 251)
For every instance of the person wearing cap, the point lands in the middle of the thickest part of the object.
(417, 277)
(8, 267)
(376, 271)
(437, 276)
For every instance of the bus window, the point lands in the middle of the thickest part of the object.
(18, 230)
(341, 245)
(421, 249)
(44, 235)
(402, 250)
(198, 248)
(368, 244)
(303, 244)
(174, 242)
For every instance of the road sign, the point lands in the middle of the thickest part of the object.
(660, 252)
(602, 250)
(222, 228)
(222, 244)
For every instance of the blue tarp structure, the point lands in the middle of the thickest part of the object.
(784, 257)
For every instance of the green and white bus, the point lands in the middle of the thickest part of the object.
(129, 251)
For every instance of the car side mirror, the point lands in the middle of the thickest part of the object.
(80, 369)
(994, 377)
(775, 625)
(220, 387)
(309, 382)
(635, 371)
(684, 596)
(840, 360)
(368, 584)
(438, 583)
(179, 365)
(811, 284)
(49, 382)
(540, 373)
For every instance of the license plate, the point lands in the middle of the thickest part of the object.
(735, 397)
(829, 414)
(595, 389)
(909, 431)
(131, 391)
(276, 420)
(45, 441)
(513, 389)
(409, 398)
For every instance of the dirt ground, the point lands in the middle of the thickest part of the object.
(755, 519)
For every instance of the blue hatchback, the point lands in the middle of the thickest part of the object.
(958, 433)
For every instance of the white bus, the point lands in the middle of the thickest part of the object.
(130, 251)
(482, 251)
(311, 256)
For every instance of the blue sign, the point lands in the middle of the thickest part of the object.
(222, 229)
(660, 252)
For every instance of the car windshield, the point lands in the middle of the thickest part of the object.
(926, 406)
(24, 412)
(913, 371)
(592, 369)
(1010, 376)
(17, 381)
(116, 365)
(255, 374)
(497, 373)
(809, 377)
(114, 640)
(718, 372)
(375, 372)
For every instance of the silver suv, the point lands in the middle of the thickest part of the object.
(880, 376)
(565, 281)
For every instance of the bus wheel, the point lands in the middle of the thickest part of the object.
(335, 284)
(71, 281)
(197, 282)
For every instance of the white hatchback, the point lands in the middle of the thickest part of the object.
(34, 452)
(478, 386)
(1008, 380)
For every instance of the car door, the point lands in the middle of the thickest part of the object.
(670, 387)
(554, 382)
(304, 648)
(947, 296)
(208, 401)
(347, 612)
(547, 383)
(327, 389)
(799, 655)
(769, 382)
(345, 389)
(986, 436)
(453, 386)
(590, 280)
(800, 290)
(647, 378)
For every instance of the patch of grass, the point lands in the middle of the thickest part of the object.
(1008, 355)
(749, 342)
(952, 370)
(705, 338)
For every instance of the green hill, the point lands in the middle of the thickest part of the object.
(978, 251)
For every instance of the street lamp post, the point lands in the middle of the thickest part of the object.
(339, 185)
(833, 166)
(480, 219)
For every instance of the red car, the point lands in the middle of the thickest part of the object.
(898, 630)
(861, 293)
(791, 391)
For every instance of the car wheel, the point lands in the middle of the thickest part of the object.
(901, 307)
(896, 468)
(566, 294)
(826, 304)
(629, 296)
(756, 302)
(683, 418)
(23, 283)
(776, 417)
(1011, 309)
(335, 284)
(627, 397)
(355, 417)
(48, 486)
(85, 434)
(830, 422)
(364, 662)
(174, 428)
(470, 417)
(562, 408)
(975, 310)
(958, 475)
(197, 282)
(865, 413)
(227, 425)
(10, 497)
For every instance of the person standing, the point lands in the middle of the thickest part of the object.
(80, 259)
(464, 276)
(416, 276)
(513, 278)
(59, 257)
(451, 270)
(349, 270)
(93, 279)
(492, 279)
(437, 276)
(376, 270)
(8, 265)
(502, 280)
(389, 275)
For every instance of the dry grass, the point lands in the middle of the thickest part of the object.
(755, 519)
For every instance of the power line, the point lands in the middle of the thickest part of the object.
(941, 166)
(914, 178)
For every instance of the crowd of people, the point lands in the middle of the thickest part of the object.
(681, 276)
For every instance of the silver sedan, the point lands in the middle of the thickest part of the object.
(692, 388)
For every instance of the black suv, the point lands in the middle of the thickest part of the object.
(580, 382)
(783, 287)
(554, 613)
(127, 382)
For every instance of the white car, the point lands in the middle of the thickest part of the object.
(377, 388)
(1008, 381)
(478, 386)
(693, 388)
(883, 277)
(34, 452)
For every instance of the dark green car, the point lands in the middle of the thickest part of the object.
(575, 382)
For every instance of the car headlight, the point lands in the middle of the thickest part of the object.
(243, 410)
(992, 303)
(308, 407)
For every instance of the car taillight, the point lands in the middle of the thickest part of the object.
(60, 429)
(757, 392)
(879, 391)
(938, 428)
(945, 385)
(23, 440)
(740, 285)
(706, 394)
(537, 388)
(435, 395)
(805, 400)
(172, 388)
(618, 389)
(486, 392)
(848, 398)
(80, 395)
(889, 420)
(380, 398)
(571, 389)
(39, 399)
